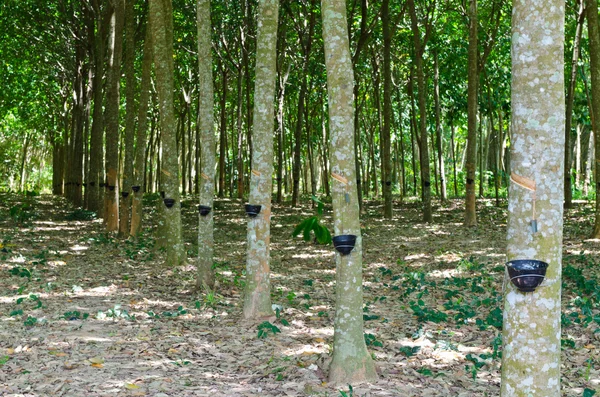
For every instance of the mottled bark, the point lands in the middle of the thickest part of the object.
(472, 83)
(531, 329)
(351, 361)
(161, 23)
(257, 295)
(130, 88)
(111, 115)
(205, 278)
(140, 137)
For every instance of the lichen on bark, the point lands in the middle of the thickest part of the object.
(351, 361)
(531, 328)
(257, 294)
(205, 278)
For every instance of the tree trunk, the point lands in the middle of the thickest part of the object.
(111, 116)
(206, 277)
(472, 83)
(161, 22)
(594, 38)
(453, 157)
(438, 131)
(569, 105)
(422, 130)
(351, 361)
(282, 77)
(223, 133)
(95, 175)
(257, 296)
(387, 111)
(531, 328)
(140, 138)
(130, 89)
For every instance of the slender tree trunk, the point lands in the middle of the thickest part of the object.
(438, 131)
(387, 110)
(594, 38)
(130, 88)
(569, 105)
(422, 130)
(140, 138)
(282, 77)
(111, 116)
(453, 157)
(531, 329)
(206, 278)
(161, 22)
(470, 199)
(95, 177)
(22, 172)
(257, 297)
(351, 361)
(223, 133)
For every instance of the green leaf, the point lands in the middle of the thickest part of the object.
(588, 392)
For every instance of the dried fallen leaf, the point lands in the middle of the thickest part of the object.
(131, 386)
(97, 365)
(96, 360)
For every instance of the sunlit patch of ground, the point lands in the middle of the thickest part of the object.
(113, 321)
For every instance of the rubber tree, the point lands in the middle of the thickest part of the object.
(130, 88)
(351, 361)
(531, 328)
(472, 83)
(111, 115)
(387, 110)
(205, 277)
(570, 101)
(94, 177)
(161, 23)
(257, 297)
(421, 132)
(594, 38)
(140, 136)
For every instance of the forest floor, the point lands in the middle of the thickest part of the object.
(83, 313)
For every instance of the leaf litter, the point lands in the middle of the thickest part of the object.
(83, 313)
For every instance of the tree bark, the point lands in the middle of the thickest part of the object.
(438, 131)
(205, 278)
(594, 38)
(140, 137)
(111, 116)
(422, 130)
(472, 83)
(351, 361)
(257, 297)
(130, 89)
(387, 111)
(569, 105)
(161, 22)
(95, 175)
(531, 328)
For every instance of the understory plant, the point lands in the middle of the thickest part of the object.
(313, 224)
